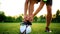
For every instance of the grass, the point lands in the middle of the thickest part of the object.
(37, 28)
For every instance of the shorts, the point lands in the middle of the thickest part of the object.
(37, 1)
(48, 2)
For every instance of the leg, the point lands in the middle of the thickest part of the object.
(25, 10)
(48, 18)
(30, 12)
(31, 9)
(49, 15)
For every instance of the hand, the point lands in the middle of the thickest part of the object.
(31, 18)
(25, 17)
(28, 17)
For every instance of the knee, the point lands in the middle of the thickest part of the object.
(49, 10)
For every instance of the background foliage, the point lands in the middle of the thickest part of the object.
(42, 18)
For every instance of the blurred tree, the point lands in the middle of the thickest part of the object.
(19, 19)
(54, 18)
(35, 18)
(41, 18)
(58, 16)
(10, 19)
(2, 16)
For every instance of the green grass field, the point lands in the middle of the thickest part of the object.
(37, 28)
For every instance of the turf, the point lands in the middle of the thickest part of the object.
(37, 28)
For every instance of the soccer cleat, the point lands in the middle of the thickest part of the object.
(47, 30)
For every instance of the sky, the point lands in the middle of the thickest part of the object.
(16, 7)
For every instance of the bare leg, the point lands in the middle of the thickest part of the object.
(49, 16)
(25, 10)
(31, 9)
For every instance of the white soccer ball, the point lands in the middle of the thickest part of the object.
(23, 28)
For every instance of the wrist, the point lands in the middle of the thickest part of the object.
(32, 15)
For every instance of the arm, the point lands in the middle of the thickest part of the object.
(39, 8)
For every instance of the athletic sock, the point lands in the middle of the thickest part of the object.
(26, 23)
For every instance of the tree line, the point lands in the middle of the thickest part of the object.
(42, 18)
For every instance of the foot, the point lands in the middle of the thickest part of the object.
(47, 30)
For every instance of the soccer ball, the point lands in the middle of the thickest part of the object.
(25, 28)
